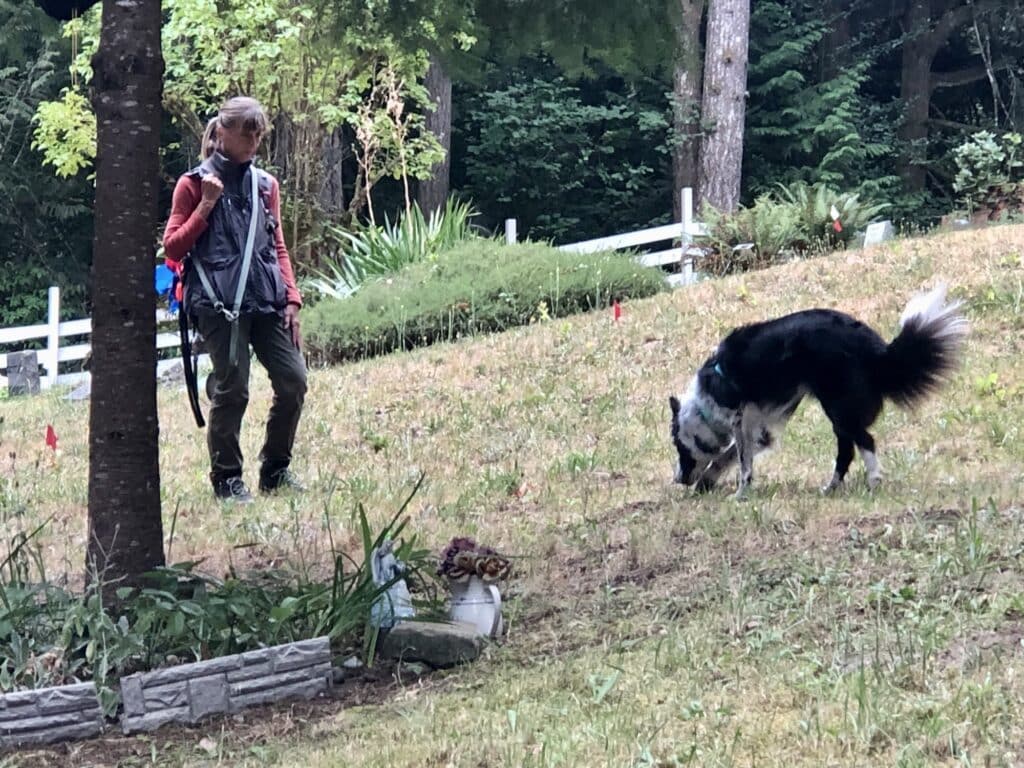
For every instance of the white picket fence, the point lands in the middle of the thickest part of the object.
(681, 234)
(55, 353)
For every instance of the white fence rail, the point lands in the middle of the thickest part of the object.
(682, 232)
(54, 330)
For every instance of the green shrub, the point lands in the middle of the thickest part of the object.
(796, 219)
(51, 636)
(814, 205)
(990, 170)
(478, 287)
(355, 257)
(751, 238)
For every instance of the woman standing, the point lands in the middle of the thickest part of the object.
(224, 240)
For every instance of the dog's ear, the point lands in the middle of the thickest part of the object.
(674, 404)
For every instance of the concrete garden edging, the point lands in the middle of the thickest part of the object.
(49, 715)
(191, 692)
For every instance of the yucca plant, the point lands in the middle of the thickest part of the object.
(378, 251)
(814, 206)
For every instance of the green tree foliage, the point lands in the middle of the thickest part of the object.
(45, 222)
(803, 127)
(313, 79)
(568, 161)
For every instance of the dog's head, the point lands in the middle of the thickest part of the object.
(687, 463)
(699, 431)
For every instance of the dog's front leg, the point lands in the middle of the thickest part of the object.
(745, 454)
(721, 463)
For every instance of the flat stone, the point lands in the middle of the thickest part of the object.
(164, 696)
(878, 232)
(49, 715)
(438, 644)
(131, 695)
(305, 653)
(307, 689)
(81, 393)
(153, 720)
(191, 692)
(53, 735)
(23, 373)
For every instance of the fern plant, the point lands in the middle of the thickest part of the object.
(814, 204)
(753, 237)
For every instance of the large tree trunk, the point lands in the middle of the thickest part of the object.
(332, 191)
(686, 85)
(724, 103)
(432, 193)
(125, 528)
(927, 25)
(915, 93)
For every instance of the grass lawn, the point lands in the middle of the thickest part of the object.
(647, 626)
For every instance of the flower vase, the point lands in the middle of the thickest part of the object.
(477, 603)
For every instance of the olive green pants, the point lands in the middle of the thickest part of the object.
(272, 344)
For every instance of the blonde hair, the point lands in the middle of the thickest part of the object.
(241, 112)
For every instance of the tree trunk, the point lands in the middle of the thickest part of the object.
(332, 191)
(834, 51)
(125, 527)
(686, 84)
(724, 103)
(915, 93)
(432, 193)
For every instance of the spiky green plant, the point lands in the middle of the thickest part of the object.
(378, 251)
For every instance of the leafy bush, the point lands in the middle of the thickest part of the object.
(570, 160)
(814, 205)
(377, 251)
(990, 170)
(751, 238)
(797, 219)
(478, 287)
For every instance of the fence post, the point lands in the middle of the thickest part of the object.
(52, 362)
(510, 231)
(686, 208)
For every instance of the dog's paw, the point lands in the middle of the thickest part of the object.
(833, 485)
(742, 494)
(874, 481)
(704, 485)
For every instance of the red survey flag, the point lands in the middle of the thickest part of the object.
(51, 437)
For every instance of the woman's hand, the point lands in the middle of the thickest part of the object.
(213, 188)
(291, 323)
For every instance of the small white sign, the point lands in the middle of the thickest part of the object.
(878, 232)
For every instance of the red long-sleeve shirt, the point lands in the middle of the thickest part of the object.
(184, 226)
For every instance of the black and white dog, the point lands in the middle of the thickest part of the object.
(749, 388)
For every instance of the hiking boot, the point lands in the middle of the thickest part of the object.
(232, 489)
(280, 480)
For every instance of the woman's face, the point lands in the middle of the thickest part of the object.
(239, 145)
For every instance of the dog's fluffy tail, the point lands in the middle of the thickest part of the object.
(927, 348)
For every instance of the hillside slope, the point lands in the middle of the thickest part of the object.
(648, 626)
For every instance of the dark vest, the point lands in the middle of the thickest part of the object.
(221, 246)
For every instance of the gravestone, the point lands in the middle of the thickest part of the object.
(878, 232)
(22, 373)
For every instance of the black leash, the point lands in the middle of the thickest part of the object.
(188, 364)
